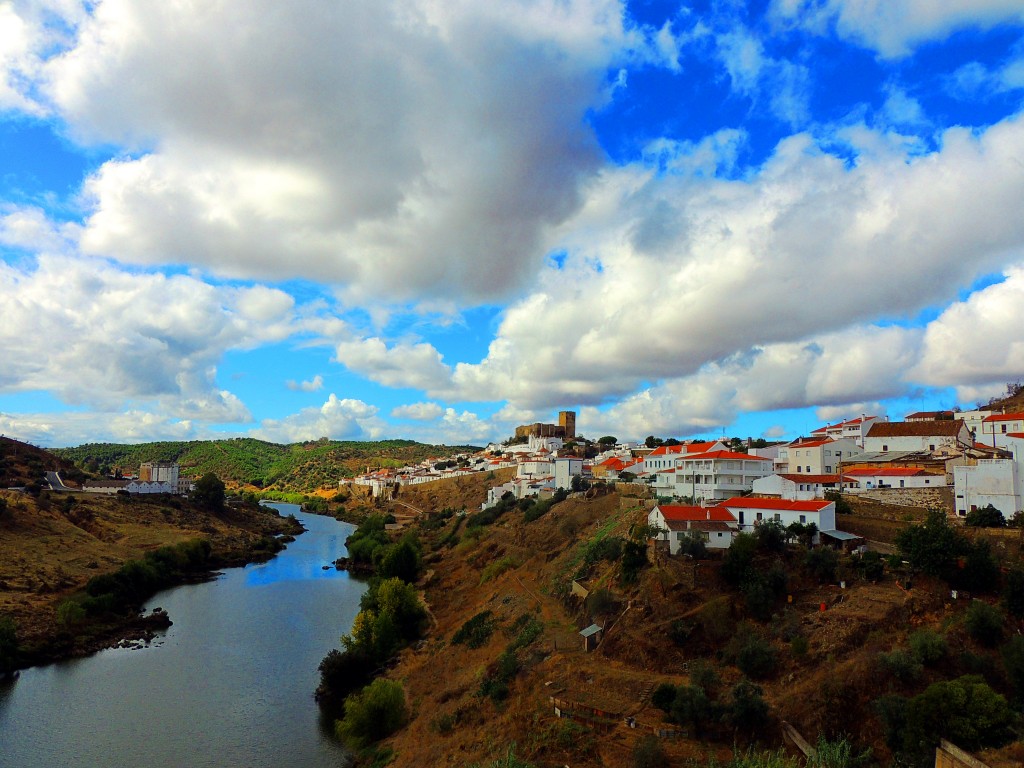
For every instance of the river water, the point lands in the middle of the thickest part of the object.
(230, 683)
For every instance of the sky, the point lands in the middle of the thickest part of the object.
(431, 220)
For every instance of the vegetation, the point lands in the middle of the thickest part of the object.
(209, 492)
(938, 549)
(986, 517)
(9, 648)
(373, 713)
(475, 632)
(300, 467)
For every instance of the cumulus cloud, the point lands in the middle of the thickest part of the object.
(405, 364)
(667, 273)
(93, 334)
(894, 27)
(59, 430)
(313, 385)
(430, 161)
(418, 411)
(337, 419)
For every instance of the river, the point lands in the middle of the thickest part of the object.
(229, 684)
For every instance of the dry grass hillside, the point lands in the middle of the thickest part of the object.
(678, 617)
(52, 545)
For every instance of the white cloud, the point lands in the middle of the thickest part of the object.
(58, 430)
(774, 432)
(313, 385)
(418, 411)
(337, 419)
(894, 27)
(93, 334)
(667, 273)
(783, 85)
(452, 140)
(406, 364)
(977, 344)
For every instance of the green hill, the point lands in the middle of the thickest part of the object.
(300, 467)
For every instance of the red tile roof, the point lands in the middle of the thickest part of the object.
(679, 512)
(1005, 417)
(723, 455)
(810, 443)
(890, 472)
(917, 428)
(777, 504)
(798, 478)
(665, 450)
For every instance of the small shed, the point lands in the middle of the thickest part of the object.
(591, 637)
(842, 540)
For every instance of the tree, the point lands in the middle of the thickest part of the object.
(933, 546)
(652, 441)
(691, 707)
(8, 644)
(984, 623)
(374, 713)
(966, 711)
(209, 492)
(842, 505)
(986, 517)
(1013, 593)
(608, 440)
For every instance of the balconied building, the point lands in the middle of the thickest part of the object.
(718, 475)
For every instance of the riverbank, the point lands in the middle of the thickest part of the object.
(52, 546)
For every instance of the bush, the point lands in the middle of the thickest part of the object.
(756, 657)
(475, 632)
(928, 647)
(822, 563)
(496, 682)
(600, 602)
(984, 623)
(648, 753)
(1013, 593)
(702, 674)
(373, 714)
(873, 565)
(933, 546)
(900, 664)
(966, 711)
(400, 560)
(749, 709)
(986, 517)
(691, 707)
(70, 614)
(498, 567)
(1013, 663)
(9, 647)
(663, 696)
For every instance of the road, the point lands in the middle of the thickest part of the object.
(55, 482)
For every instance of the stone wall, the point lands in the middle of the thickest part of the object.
(940, 498)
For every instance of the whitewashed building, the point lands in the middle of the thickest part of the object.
(999, 482)
(718, 474)
(818, 456)
(750, 512)
(715, 525)
(936, 437)
(800, 487)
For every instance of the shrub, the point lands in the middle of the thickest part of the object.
(70, 614)
(986, 517)
(496, 682)
(693, 545)
(498, 567)
(702, 674)
(600, 602)
(900, 664)
(928, 646)
(873, 565)
(1013, 663)
(341, 673)
(933, 546)
(691, 707)
(9, 647)
(663, 696)
(822, 563)
(475, 632)
(739, 559)
(373, 714)
(966, 711)
(1013, 592)
(400, 560)
(984, 623)
(756, 657)
(749, 709)
(648, 753)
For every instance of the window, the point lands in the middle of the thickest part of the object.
(759, 516)
(1004, 429)
(803, 518)
(885, 447)
(828, 468)
(797, 467)
(808, 469)
(778, 517)
(931, 447)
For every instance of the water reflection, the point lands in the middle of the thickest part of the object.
(230, 683)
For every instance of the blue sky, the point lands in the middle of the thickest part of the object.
(437, 221)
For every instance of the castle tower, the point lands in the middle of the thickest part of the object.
(567, 421)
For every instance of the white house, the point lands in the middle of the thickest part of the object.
(566, 467)
(871, 478)
(796, 487)
(817, 456)
(664, 456)
(536, 465)
(151, 486)
(715, 525)
(110, 487)
(751, 511)
(999, 482)
(718, 474)
(937, 437)
(996, 428)
(855, 429)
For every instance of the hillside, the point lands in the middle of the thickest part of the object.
(679, 622)
(301, 467)
(52, 545)
(22, 464)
